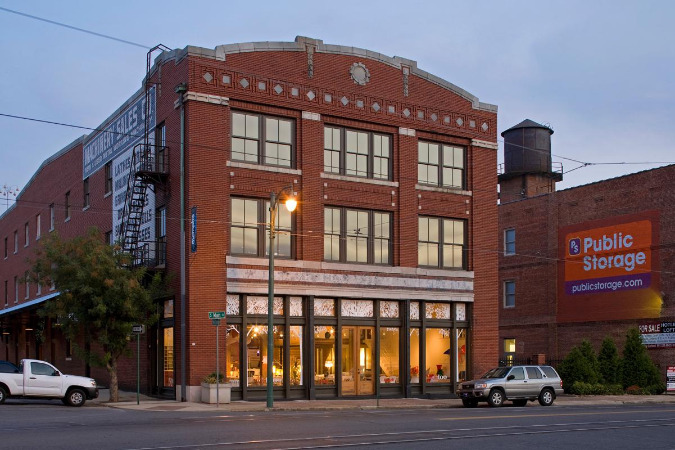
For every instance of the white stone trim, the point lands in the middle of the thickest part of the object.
(484, 144)
(236, 287)
(406, 131)
(206, 98)
(243, 165)
(424, 187)
(357, 281)
(311, 116)
(332, 176)
(348, 267)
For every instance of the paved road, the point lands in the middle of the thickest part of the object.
(47, 424)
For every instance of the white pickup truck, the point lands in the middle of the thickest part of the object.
(39, 379)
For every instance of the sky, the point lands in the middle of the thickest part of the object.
(600, 73)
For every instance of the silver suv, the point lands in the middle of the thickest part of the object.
(517, 384)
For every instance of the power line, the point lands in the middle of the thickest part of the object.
(53, 22)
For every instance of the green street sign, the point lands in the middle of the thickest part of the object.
(216, 314)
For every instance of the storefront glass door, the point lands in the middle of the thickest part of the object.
(358, 371)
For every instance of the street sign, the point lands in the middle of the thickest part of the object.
(215, 322)
(138, 329)
(216, 314)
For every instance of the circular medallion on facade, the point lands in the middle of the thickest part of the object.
(359, 73)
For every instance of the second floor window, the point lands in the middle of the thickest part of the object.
(357, 236)
(249, 235)
(52, 217)
(356, 153)
(262, 140)
(440, 165)
(509, 294)
(510, 241)
(441, 243)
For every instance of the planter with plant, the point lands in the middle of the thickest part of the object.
(215, 390)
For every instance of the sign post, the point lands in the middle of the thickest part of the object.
(138, 330)
(215, 317)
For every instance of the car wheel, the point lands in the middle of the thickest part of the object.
(3, 395)
(546, 397)
(496, 398)
(522, 402)
(76, 397)
(468, 403)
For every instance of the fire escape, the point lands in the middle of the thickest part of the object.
(149, 167)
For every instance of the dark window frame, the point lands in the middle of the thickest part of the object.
(67, 206)
(371, 238)
(108, 178)
(262, 139)
(262, 229)
(370, 157)
(85, 193)
(442, 244)
(440, 165)
(509, 304)
(509, 243)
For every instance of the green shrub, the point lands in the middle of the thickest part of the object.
(211, 378)
(581, 388)
(637, 368)
(579, 365)
(609, 362)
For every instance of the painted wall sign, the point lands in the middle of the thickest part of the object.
(122, 133)
(608, 269)
(608, 259)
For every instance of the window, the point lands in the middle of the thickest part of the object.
(518, 373)
(108, 178)
(52, 217)
(108, 237)
(509, 351)
(38, 288)
(440, 165)
(67, 206)
(324, 355)
(248, 236)
(160, 232)
(438, 363)
(16, 242)
(358, 236)
(356, 153)
(16, 289)
(441, 243)
(250, 132)
(42, 369)
(27, 284)
(5, 248)
(38, 227)
(6, 292)
(85, 195)
(160, 145)
(510, 241)
(509, 294)
(389, 355)
(533, 373)
(26, 231)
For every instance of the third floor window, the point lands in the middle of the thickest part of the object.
(357, 153)
(440, 165)
(262, 140)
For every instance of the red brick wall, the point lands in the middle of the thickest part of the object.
(537, 220)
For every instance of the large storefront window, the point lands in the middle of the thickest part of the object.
(296, 356)
(324, 355)
(414, 355)
(256, 353)
(437, 355)
(390, 345)
(461, 354)
(232, 360)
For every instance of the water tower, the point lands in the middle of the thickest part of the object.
(527, 170)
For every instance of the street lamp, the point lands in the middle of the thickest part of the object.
(290, 203)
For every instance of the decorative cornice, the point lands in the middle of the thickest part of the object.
(206, 98)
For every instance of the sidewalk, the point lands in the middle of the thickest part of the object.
(128, 401)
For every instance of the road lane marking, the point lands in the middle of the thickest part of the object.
(604, 413)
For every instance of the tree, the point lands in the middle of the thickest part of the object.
(609, 362)
(637, 368)
(100, 296)
(580, 364)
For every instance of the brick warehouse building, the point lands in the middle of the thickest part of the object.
(376, 276)
(582, 263)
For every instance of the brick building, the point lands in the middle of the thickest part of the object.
(378, 289)
(582, 263)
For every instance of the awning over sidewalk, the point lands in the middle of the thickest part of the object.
(21, 306)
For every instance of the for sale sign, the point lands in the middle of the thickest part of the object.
(670, 379)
